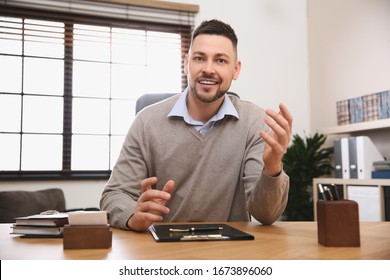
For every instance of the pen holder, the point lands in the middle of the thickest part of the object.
(87, 237)
(338, 223)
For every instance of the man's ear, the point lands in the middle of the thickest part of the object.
(237, 69)
(186, 59)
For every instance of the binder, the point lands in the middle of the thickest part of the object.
(345, 157)
(366, 154)
(341, 152)
(338, 159)
(353, 170)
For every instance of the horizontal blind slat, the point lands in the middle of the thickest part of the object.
(113, 10)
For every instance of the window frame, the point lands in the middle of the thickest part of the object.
(70, 19)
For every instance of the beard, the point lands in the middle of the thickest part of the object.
(206, 96)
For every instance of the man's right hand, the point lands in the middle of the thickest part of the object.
(150, 205)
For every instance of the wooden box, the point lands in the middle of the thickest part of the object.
(338, 223)
(87, 237)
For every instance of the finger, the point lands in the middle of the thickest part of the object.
(278, 118)
(154, 195)
(279, 133)
(169, 185)
(286, 113)
(148, 183)
(288, 116)
(271, 141)
(152, 207)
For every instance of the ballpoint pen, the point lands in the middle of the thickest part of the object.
(335, 192)
(195, 229)
(328, 193)
(321, 189)
(205, 237)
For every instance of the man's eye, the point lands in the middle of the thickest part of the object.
(198, 58)
(221, 61)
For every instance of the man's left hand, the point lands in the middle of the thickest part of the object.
(277, 140)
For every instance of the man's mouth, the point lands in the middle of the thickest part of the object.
(208, 82)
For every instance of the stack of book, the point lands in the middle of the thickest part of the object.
(369, 107)
(39, 225)
(381, 169)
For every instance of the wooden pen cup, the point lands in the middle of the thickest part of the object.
(338, 223)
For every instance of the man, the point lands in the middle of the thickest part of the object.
(202, 155)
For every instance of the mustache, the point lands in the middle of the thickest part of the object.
(208, 76)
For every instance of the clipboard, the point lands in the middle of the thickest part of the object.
(197, 232)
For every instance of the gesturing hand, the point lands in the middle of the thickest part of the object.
(277, 140)
(150, 205)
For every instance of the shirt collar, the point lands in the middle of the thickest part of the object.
(180, 108)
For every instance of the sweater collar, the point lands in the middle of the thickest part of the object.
(180, 109)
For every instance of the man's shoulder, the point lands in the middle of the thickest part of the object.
(158, 109)
(246, 108)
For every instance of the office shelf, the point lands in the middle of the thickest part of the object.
(358, 127)
(375, 183)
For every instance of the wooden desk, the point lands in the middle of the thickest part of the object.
(283, 240)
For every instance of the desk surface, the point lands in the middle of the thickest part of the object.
(283, 240)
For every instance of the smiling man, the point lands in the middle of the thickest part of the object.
(204, 155)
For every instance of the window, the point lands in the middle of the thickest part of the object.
(68, 87)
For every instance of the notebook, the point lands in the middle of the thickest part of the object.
(197, 232)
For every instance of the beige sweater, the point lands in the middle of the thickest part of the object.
(218, 177)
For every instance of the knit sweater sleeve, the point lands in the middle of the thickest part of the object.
(122, 190)
(266, 196)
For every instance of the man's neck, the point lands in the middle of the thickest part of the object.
(201, 111)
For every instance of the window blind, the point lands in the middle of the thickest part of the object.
(160, 12)
(71, 81)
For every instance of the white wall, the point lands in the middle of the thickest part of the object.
(273, 49)
(349, 54)
(272, 45)
(349, 47)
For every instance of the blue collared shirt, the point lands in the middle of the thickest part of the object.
(180, 110)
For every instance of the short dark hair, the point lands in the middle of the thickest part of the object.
(216, 27)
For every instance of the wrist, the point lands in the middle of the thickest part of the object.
(273, 172)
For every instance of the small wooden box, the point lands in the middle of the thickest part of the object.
(87, 237)
(338, 223)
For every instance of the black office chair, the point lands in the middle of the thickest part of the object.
(151, 98)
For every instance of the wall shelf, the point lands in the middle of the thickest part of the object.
(357, 127)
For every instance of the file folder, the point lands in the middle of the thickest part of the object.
(337, 158)
(341, 152)
(353, 168)
(366, 154)
(345, 157)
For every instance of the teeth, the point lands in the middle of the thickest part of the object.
(207, 82)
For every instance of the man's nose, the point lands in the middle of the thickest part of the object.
(208, 67)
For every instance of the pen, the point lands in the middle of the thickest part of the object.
(321, 189)
(193, 229)
(335, 192)
(328, 193)
(204, 237)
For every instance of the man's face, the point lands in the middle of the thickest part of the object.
(211, 66)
